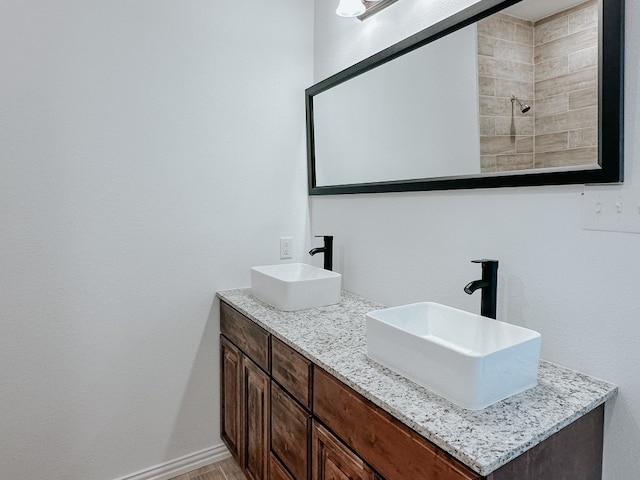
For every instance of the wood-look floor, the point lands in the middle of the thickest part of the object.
(224, 470)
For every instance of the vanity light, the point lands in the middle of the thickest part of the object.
(350, 8)
(362, 8)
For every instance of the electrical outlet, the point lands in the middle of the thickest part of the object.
(286, 246)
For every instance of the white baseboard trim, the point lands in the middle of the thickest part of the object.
(181, 465)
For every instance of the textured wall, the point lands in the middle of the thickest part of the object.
(150, 153)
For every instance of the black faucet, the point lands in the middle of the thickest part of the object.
(327, 250)
(489, 286)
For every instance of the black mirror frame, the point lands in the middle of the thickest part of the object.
(610, 109)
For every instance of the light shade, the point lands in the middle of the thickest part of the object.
(350, 8)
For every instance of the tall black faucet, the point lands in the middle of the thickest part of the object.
(327, 250)
(489, 286)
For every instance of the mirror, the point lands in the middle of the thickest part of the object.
(503, 93)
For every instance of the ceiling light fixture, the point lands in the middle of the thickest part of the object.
(362, 9)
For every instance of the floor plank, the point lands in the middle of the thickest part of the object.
(226, 469)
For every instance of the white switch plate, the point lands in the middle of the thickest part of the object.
(286, 246)
(610, 208)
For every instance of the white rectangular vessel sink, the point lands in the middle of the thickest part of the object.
(295, 286)
(471, 360)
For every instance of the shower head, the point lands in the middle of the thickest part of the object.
(524, 108)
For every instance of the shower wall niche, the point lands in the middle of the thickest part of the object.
(552, 65)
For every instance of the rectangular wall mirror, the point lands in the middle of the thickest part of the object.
(503, 93)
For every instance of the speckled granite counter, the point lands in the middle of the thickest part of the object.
(333, 337)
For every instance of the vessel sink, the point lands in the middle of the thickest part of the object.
(295, 286)
(471, 360)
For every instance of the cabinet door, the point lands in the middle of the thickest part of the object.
(230, 381)
(254, 456)
(277, 471)
(332, 460)
(290, 432)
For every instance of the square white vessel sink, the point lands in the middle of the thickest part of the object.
(471, 360)
(295, 286)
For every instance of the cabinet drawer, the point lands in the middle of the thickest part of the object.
(290, 432)
(390, 447)
(252, 339)
(292, 371)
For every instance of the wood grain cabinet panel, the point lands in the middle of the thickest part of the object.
(277, 470)
(332, 460)
(254, 454)
(292, 371)
(391, 448)
(249, 337)
(230, 364)
(573, 452)
(290, 432)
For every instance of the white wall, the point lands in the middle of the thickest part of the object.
(578, 288)
(150, 152)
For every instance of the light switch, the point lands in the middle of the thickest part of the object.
(606, 208)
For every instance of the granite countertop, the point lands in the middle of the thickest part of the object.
(333, 337)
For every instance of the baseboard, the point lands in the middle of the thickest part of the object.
(181, 465)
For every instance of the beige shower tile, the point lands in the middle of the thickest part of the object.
(565, 45)
(514, 125)
(583, 18)
(524, 144)
(485, 45)
(552, 142)
(581, 59)
(494, 67)
(512, 19)
(585, 137)
(551, 105)
(487, 163)
(506, 88)
(486, 86)
(556, 67)
(567, 158)
(587, 97)
(502, 68)
(524, 33)
(494, 106)
(514, 162)
(575, 119)
(497, 26)
(497, 145)
(553, 30)
(567, 83)
(516, 52)
(487, 125)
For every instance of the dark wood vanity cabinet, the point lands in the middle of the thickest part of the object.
(284, 418)
(245, 392)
